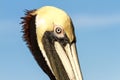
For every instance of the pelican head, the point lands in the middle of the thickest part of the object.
(49, 34)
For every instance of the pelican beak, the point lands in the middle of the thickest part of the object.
(68, 57)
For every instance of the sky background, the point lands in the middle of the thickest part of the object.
(97, 27)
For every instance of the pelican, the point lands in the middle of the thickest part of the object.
(49, 34)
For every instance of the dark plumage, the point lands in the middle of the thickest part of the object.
(29, 36)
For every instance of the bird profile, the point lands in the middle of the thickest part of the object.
(49, 34)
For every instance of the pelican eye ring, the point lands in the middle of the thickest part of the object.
(58, 30)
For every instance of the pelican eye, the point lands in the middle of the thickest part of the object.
(58, 31)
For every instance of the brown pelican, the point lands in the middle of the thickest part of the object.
(49, 34)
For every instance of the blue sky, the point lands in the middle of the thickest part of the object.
(97, 26)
